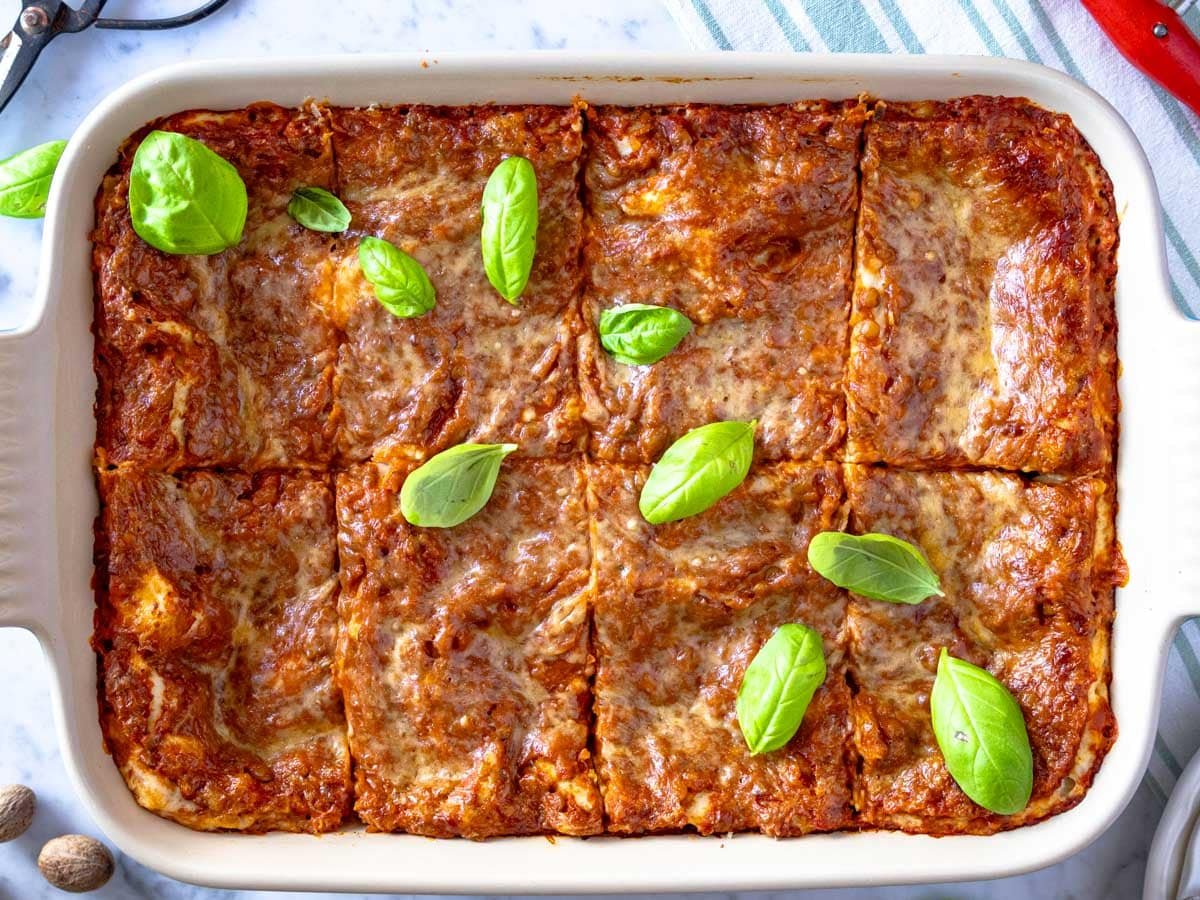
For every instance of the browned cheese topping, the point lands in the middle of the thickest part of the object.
(475, 368)
(223, 360)
(1025, 599)
(913, 300)
(742, 219)
(216, 627)
(983, 330)
(680, 611)
(464, 657)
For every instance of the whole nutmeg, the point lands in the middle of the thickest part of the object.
(17, 804)
(75, 863)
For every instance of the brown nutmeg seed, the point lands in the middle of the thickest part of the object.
(75, 863)
(17, 804)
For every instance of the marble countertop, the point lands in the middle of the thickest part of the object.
(71, 76)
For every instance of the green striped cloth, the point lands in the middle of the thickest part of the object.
(1060, 34)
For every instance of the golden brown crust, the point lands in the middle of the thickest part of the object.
(742, 219)
(464, 657)
(983, 330)
(236, 389)
(1017, 564)
(475, 368)
(222, 360)
(681, 610)
(215, 627)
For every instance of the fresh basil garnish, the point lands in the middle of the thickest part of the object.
(697, 470)
(183, 197)
(318, 210)
(877, 566)
(982, 735)
(638, 334)
(510, 221)
(452, 486)
(25, 180)
(778, 686)
(400, 283)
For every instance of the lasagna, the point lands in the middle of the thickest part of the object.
(1019, 568)
(743, 220)
(472, 369)
(464, 656)
(680, 611)
(216, 628)
(914, 301)
(983, 330)
(225, 360)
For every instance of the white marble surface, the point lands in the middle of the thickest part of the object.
(76, 72)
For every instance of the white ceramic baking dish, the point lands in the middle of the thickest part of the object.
(47, 498)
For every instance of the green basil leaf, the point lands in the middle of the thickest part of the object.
(877, 566)
(25, 180)
(638, 334)
(510, 222)
(452, 486)
(697, 470)
(400, 283)
(981, 732)
(778, 686)
(318, 210)
(184, 198)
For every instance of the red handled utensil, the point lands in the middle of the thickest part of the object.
(1153, 36)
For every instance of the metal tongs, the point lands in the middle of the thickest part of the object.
(41, 21)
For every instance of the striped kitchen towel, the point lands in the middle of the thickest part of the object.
(1057, 33)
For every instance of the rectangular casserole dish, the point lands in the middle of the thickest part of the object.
(48, 502)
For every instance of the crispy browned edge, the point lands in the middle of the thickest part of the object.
(1108, 560)
(108, 640)
(1109, 568)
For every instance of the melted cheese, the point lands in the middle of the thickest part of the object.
(1017, 564)
(179, 405)
(219, 704)
(975, 340)
(742, 220)
(156, 793)
(466, 690)
(221, 360)
(157, 691)
(475, 368)
(674, 632)
(153, 601)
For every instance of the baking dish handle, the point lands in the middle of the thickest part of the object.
(1178, 405)
(27, 579)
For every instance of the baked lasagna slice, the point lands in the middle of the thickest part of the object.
(216, 629)
(1028, 597)
(983, 328)
(681, 609)
(742, 219)
(223, 360)
(475, 368)
(464, 656)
